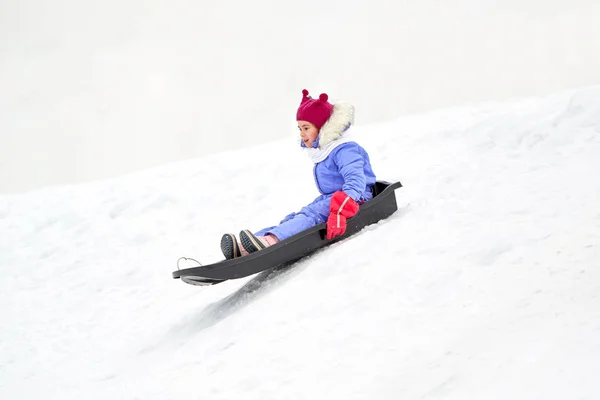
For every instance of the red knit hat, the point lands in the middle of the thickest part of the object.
(316, 112)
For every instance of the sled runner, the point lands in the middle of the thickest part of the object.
(382, 205)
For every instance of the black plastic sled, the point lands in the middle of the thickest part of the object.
(382, 205)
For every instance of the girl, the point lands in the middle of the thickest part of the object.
(342, 172)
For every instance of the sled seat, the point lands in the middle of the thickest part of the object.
(379, 187)
(382, 205)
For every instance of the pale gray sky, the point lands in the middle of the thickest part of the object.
(92, 90)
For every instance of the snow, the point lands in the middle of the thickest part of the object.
(485, 283)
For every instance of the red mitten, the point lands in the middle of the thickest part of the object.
(341, 207)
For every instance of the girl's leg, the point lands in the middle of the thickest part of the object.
(311, 215)
(299, 223)
(314, 214)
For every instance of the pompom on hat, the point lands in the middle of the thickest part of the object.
(315, 111)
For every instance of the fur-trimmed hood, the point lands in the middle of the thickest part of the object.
(340, 120)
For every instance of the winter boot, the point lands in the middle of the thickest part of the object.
(250, 243)
(230, 246)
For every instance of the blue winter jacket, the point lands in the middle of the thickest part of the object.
(347, 168)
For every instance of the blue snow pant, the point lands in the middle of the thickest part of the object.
(311, 215)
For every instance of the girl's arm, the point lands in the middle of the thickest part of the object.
(351, 165)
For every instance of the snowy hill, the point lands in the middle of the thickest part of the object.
(484, 285)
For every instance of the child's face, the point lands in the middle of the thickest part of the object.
(308, 133)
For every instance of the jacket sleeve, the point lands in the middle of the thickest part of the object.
(351, 165)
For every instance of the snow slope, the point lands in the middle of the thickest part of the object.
(484, 285)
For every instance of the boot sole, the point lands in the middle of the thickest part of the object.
(230, 247)
(249, 242)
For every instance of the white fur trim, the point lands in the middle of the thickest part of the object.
(341, 118)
